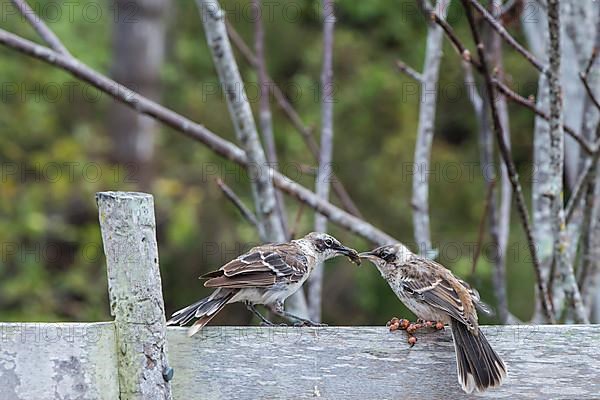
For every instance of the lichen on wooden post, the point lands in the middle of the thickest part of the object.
(135, 292)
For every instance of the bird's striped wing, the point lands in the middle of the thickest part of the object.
(480, 304)
(428, 282)
(262, 266)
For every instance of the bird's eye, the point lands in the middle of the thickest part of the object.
(388, 257)
(328, 242)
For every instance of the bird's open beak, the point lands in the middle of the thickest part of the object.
(350, 253)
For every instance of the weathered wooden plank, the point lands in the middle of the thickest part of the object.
(128, 234)
(372, 363)
(58, 361)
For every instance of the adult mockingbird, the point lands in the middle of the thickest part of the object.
(267, 275)
(433, 293)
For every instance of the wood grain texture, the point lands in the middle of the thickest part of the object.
(58, 361)
(372, 363)
(135, 291)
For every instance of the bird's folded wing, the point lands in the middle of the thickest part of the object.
(262, 266)
(436, 290)
(480, 304)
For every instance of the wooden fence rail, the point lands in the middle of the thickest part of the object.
(127, 358)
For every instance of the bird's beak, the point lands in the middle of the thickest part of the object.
(368, 255)
(350, 253)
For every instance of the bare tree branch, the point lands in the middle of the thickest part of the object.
(265, 118)
(494, 23)
(40, 27)
(427, 103)
(513, 96)
(587, 173)
(238, 203)
(506, 156)
(456, 42)
(542, 224)
(402, 67)
(566, 280)
(315, 281)
(499, 213)
(589, 90)
(589, 276)
(263, 191)
(194, 131)
(472, 92)
(502, 87)
(296, 121)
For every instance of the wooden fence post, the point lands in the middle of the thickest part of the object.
(135, 292)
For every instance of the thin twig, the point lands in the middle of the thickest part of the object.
(588, 89)
(484, 216)
(402, 67)
(581, 183)
(237, 202)
(509, 93)
(193, 130)
(510, 166)
(494, 23)
(293, 116)
(517, 98)
(40, 27)
(593, 57)
(458, 45)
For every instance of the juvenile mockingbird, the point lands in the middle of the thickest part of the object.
(433, 293)
(267, 275)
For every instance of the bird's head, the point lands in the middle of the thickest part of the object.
(326, 247)
(387, 257)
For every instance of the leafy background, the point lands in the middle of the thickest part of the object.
(55, 154)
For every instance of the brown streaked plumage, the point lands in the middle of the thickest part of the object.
(266, 275)
(433, 293)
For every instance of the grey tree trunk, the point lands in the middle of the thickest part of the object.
(138, 55)
(499, 217)
(427, 107)
(265, 117)
(323, 178)
(564, 278)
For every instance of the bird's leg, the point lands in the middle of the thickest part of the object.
(253, 309)
(279, 310)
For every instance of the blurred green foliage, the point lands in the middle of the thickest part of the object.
(52, 267)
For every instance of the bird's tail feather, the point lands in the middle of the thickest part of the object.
(479, 366)
(204, 310)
